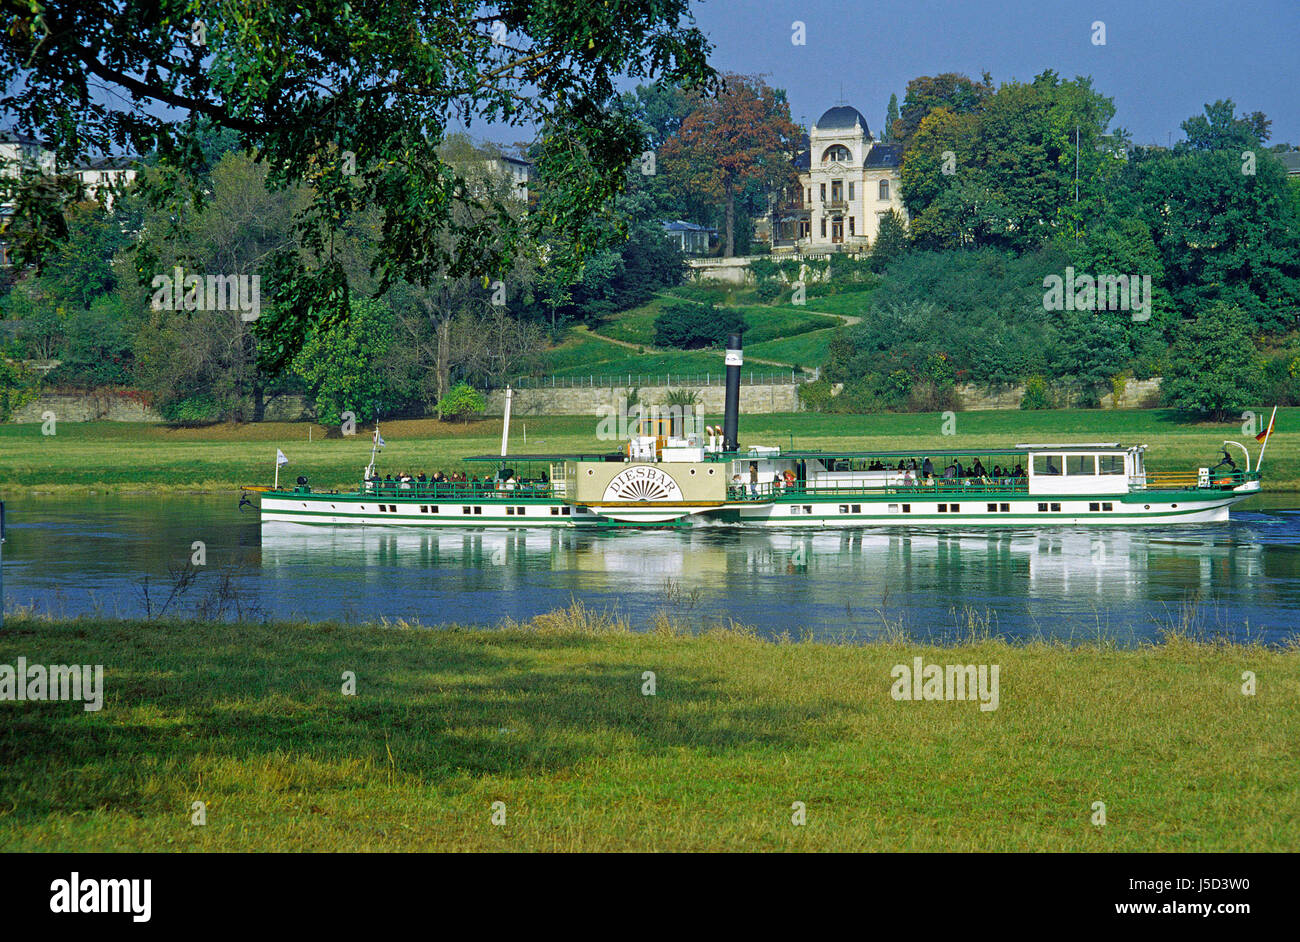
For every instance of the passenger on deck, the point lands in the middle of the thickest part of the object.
(927, 468)
(1019, 471)
(950, 473)
(908, 480)
(977, 469)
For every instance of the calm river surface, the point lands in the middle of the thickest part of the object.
(100, 554)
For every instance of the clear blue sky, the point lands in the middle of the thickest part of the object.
(1163, 59)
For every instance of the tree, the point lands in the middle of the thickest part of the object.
(1222, 234)
(926, 93)
(1220, 129)
(1213, 366)
(891, 117)
(891, 241)
(210, 355)
(1005, 175)
(339, 364)
(740, 137)
(351, 100)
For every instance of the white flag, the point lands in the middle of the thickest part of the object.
(280, 459)
(379, 439)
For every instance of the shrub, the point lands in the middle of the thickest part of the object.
(816, 395)
(1035, 396)
(192, 410)
(693, 326)
(461, 401)
(768, 292)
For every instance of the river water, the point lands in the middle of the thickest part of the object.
(125, 556)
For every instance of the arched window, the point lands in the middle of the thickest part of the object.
(884, 189)
(836, 154)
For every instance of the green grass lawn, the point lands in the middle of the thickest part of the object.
(114, 456)
(764, 324)
(551, 720)
(804, 350)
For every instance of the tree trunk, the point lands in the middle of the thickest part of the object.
(441, 366)
(731, 224)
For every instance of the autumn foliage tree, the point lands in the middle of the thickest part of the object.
(741, 137)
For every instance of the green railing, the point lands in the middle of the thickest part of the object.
(946, 487)
(455, 490)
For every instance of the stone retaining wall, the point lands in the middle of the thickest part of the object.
(755, 400)
(119, 406)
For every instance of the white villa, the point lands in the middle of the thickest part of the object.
(847, 181)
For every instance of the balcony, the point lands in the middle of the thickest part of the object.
(836, 205)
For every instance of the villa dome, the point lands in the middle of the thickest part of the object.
(842, 118)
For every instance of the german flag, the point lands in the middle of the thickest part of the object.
(1263, 436)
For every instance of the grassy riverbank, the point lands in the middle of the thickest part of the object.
(550, 719)
(122, 457)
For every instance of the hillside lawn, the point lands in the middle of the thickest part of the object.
(110, 457)
(550, 718)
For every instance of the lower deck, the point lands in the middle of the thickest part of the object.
(971, 507)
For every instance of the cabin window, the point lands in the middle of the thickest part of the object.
(893, 508)
(907, 508)
(1056, 508)
(857, 508)
(993, 508)
(1047, 464)
(1006, 508)
(1110, 464)
(510, 511)
(807, 508)
(1042, 508)
(1093, 508)
(424, 508)
(478, 510)
(465, 509)
(1107, 506)
(565, 510)
(555, 511)
(943, 508)
(844, 508)
(954, 508)
(1080, 464)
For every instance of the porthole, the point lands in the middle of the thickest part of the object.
(1146, 506)
(710, 470)
(590, 472)
(1175, 506)
(692, 470)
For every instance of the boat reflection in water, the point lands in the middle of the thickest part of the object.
(1054, 582)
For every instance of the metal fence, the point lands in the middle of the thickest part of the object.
(637, 380)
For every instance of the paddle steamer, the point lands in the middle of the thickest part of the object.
(668, 475)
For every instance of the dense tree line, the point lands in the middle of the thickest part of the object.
(1011, 187)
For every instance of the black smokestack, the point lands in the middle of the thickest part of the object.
(731, 418)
